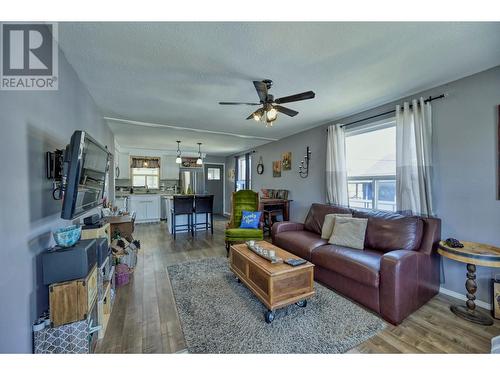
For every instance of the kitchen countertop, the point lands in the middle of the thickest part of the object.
(123, 194)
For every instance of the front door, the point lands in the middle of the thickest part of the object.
(214, 185)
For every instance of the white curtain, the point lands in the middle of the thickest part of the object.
(414, 157)
(336, 170)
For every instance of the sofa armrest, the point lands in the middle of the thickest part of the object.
(285, 226)
(399, 284)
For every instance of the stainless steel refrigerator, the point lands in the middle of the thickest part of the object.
(192, 180)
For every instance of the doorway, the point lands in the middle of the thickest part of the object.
(214, 185)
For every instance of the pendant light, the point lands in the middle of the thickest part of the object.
(199, 161)
(178, 160)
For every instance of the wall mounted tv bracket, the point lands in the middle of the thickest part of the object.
(55, 172)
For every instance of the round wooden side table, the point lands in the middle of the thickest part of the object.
(473, 254)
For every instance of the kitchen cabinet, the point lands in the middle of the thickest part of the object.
(169, 168)
(146, 207)
(165, 207)
(124, 165)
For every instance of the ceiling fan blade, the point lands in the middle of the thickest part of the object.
(258, 112)
(261, 88)
(286, 111)
(237, 103)
(296, 97)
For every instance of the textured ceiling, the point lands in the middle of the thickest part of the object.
(175, 73)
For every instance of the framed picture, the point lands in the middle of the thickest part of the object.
(286, 161)
(277, 168)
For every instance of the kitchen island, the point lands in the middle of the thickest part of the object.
(183, 219)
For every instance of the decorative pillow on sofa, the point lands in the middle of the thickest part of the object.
(349, 232)
(327, 229)
(316, 215)
(250, 220)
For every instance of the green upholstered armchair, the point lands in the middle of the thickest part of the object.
(247, 200)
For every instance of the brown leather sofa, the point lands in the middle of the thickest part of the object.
(395, 274)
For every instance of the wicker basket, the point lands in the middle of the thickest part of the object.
(122, 275)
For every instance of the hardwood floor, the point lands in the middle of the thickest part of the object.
(145, 320)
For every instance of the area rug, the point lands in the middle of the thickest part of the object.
(220, 315)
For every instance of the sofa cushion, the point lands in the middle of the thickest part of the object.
(349, 232)
(387, 231)
(329, 223)
(362, 266)
(300, 243)
(316, 216)
(241, 233)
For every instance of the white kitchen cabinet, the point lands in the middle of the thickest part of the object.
(146, 207)
(169, 168)
(124, 165)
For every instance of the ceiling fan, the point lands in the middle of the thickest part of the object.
(270, 106)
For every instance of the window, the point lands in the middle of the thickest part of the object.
(371, 166)
(146, 177)
(243, 168)
(213, 173)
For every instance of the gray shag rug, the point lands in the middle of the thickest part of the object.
(220, 315)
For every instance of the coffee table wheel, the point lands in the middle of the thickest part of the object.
(269, 316)
(302, 303)
(238, 280)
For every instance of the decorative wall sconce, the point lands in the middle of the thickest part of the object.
(304, 164)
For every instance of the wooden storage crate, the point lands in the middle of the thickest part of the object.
(104, 309)
(104, 231)
(71, 301)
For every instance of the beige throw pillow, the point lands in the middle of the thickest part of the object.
(349, 232)
(328, 224)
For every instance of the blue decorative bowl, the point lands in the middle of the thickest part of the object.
(68, 236)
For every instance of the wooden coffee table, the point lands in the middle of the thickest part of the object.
(275, 285)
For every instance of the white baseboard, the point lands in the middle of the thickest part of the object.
(460, 296)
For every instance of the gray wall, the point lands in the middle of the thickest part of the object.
(214, 159)
(303, 192)
(33, 122)
(464, 179)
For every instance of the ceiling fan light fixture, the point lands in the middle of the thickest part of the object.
(271, 115)
(268, 112)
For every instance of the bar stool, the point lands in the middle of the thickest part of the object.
(271, 214)
(204, 205)
(183, 205)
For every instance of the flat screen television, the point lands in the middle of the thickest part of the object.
(86, 166)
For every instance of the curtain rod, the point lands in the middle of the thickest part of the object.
(429, 99)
